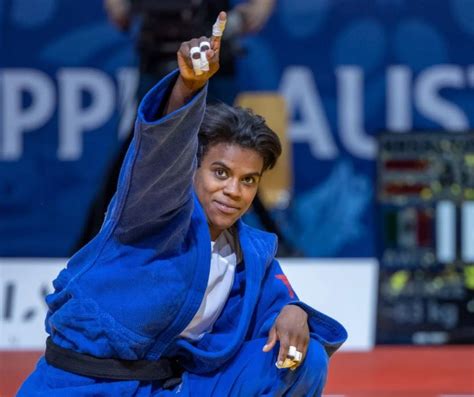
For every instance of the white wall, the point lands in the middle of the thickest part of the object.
(344, 289)
(23, 284)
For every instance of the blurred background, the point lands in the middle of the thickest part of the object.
(373, 200)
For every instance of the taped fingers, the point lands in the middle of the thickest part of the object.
(199, 52)
(219, 27)
(294, 354)
(297, 355)
(293, 359)
(195, 54)
(204, 47)
(218, 30)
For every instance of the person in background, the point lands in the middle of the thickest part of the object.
(162, 25)
(176, 295)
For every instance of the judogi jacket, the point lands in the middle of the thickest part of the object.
(134, 288)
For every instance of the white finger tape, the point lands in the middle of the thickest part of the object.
(195, 53)
(291, 351)
(204, 46)
(298, 356)
(218, 28)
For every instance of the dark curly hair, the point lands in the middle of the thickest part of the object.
(235, 125)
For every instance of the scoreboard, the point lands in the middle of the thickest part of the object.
(425, 213)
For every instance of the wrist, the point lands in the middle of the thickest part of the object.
(188, 88)
(180, 95)
(301, 310)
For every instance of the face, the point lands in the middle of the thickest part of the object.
(226, 183)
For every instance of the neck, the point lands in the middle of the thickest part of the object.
(214, 233)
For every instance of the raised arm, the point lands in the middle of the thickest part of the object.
(155, 183)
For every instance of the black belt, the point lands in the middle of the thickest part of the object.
(166, 370)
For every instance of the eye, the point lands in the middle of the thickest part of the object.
(220, 173)
(249, 180)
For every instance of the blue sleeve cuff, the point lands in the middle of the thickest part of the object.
(328, 331)
(153, 100)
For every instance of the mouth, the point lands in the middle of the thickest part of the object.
(226, 209)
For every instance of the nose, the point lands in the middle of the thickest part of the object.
(232, 188)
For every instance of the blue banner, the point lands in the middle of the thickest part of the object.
(348, 69)
(65, 105)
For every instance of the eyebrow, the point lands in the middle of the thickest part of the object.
(259, 174)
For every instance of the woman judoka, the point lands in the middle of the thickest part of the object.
(176, 295)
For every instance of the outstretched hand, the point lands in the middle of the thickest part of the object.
(198, 59)
(291, 329)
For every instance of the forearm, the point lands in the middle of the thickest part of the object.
(180, 95)
(156, 176)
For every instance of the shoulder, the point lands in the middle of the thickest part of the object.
(262, 243)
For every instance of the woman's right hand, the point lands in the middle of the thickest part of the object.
(192, 79)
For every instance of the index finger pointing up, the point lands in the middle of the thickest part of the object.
(218, 30)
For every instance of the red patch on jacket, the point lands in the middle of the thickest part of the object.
(283, 278)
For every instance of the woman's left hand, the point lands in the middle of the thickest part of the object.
(291, 329)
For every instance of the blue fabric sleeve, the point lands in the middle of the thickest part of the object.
(155, 182)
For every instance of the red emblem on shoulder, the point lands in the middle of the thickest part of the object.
(283, 278)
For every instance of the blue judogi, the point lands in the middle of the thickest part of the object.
(134, 288)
